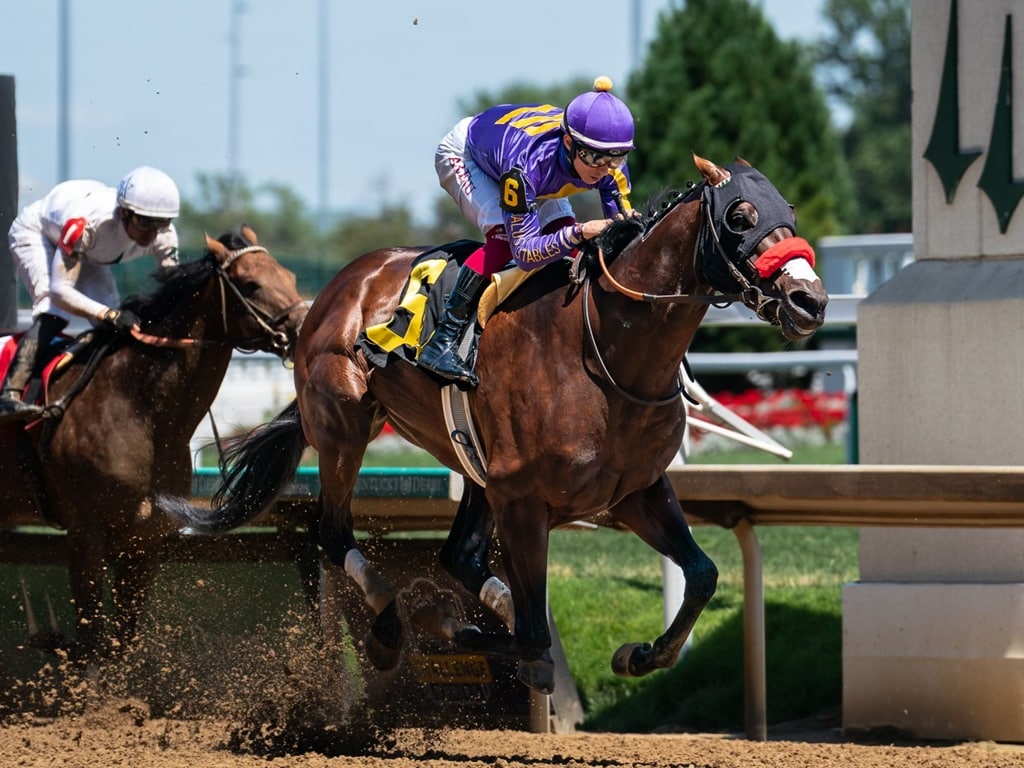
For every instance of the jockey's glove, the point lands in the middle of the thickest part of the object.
(121, 320)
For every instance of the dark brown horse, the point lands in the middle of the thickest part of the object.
(578, 410)
(124, 437)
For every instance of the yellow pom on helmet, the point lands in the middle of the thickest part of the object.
(599, 120)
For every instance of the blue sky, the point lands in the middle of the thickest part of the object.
(152, 83)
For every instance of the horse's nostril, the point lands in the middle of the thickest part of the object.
(808, 303)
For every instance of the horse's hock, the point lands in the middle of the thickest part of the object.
(933, 638)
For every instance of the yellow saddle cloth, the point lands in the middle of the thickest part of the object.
(422, 304)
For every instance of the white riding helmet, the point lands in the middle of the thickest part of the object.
(149, 192)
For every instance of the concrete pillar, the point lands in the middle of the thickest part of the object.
(933, 634)
(8, 203)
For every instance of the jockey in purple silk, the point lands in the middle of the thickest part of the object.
(510, 170)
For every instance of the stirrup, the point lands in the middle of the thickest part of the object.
(464, 378)
(460, 375)
(21, 412)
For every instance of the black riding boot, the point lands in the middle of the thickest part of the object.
(440, 354)
(28, 361)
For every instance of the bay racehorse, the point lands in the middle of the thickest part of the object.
(579, 408)
(119, 420)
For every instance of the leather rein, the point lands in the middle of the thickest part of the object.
(267, 323)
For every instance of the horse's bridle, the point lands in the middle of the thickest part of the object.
(747, 182)
(709, 243)
(277, 340)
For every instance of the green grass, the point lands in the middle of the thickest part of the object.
(819, 454)
(410, 456)
(605, 590)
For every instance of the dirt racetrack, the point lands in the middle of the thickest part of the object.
(270, 708)
(122, 735)
(196, 695)
(295, 711)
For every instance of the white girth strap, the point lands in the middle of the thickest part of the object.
(455, 403)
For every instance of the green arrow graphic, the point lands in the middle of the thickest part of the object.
(943, 150)
(997, 176)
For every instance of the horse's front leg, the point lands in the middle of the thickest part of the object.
(655, 516)
(524, 537)
(134, 573)
(524, 533)
(466, 553)
(87, 554)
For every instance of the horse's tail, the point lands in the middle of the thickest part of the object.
(257, 469)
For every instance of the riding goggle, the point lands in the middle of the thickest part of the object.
(614, 158)
(148, 223)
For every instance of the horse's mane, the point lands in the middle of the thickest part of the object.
(174, 283)
(621, 232)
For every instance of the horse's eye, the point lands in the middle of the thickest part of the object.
(742, 217)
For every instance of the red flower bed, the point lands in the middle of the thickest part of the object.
(787, 408)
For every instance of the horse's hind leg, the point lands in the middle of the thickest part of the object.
(655, 516)
(466, 553)
(336, 537)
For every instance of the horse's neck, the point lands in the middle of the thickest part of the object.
(664, 259)
(647, 340)
(190, 371)
(201, 319)
(663, 263)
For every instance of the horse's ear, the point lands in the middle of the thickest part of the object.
(249, 235)
(712, 173)
(216, 246)
(741, 161)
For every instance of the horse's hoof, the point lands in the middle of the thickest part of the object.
(382, 657)
(51, 642)
(441, 620)
(471, 638)
(537, 675)
(630, 660)
(384, 640)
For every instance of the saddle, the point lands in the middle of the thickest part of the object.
(59, 354)
(430, 279)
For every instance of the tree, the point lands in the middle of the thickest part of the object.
(865, 63)
(449, 223)
(279, 217)
(356, 235)
(718, 81)
(275, 212)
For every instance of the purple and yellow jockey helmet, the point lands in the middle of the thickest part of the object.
(599, 120)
